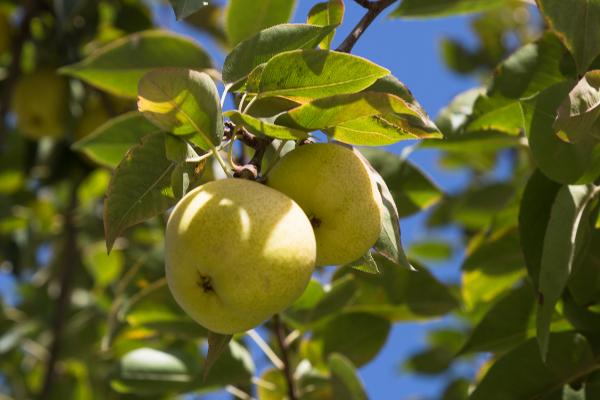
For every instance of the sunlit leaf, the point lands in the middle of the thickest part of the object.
(327, 13)
(246, 18)
(441, 8)
(262, 128)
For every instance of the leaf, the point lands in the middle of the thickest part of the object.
(534, 214)
(431, 250)
(148, 371)
(561, 242)
(562, 162)
(327, 13)
(184, 102)
(246, 18)
(118, 66)
(452, 117)
(573, 21)
(577, 116)
(344, 379)
(317, 73)
(260, 48)
(584, 283)
(140, 187)
(366, 264)
(185, 8)
(411, 189)
(358, 336)
(441, 8)
(505, 325)
(108, 144)
(569, 359)
(331, 111)
(492, 267)
(104, 268)
(217, 344)
(262, 128)
(209, 19)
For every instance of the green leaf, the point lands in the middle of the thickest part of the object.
(573, 21)
(562, 162)
(452, 117)
(577, 116)
(260, 48)
(184, 102)
(104, 268)
(505, 325)
(209, 20)
(246, 18)
(399, 294)
(358, 336)
(534, 214)
(185, 8)
(441, 8)
(411, 189)
(234, 365)
(492, 267)
(344, 379)
(317, 73)
(140, 188)
(569, 359)
(562, 240)
(331, 111)
(148, 371)
(118, 66)
(262, 128)
(366, 264)
(327, 13)
(217, 344)
(431, 250)
(584, 283)
(108, 144)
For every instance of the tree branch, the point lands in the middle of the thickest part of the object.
(374, 9)
(70, 262)
(287, 369)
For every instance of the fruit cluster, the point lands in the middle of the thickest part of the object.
(238, 251)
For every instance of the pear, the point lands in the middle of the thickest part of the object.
(335, 189)
(236, 253)
(40, 103)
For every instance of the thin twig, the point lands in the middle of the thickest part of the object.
(374, 9)
(69, 267)
(287, 368)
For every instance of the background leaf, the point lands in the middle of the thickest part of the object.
(345, 382)
(185, 8)
(440, 8)
(245, 18)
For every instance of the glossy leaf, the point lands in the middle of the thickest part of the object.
(569, 359)
(562, 240)
(327, 13)
(344, 379)
(262, 128)
(316, 74)
(441, 8)
(185, 8)
(184, 102)
(267, 43)
(108, 143)
(572, 20)
(118, 66)
(246, 18)
(534, 214)
(411, 189)
(140, 188)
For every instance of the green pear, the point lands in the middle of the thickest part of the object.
(236, 253)
(335, 189)
(40, 103)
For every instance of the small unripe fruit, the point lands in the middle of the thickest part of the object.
(236, 253)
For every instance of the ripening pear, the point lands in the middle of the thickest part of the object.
(335, 189)
(236, 253)
(40, 103)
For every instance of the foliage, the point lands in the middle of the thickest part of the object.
(88, 324)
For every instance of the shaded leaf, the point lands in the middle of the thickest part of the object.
(327, 13)
(246, 18)
(574, 23)
(317, 73)
(344, 379)
(431, 250)
(262, 128)
(569, 358)
(562, 240)
(264, 45)
(441, 8)
(584, 283)
(108, 144)
(209, 19)
(184, 102)
(118, 66)
(217, 344)
(366, 264)
(185, 8)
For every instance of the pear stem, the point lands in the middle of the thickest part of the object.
(280, 334)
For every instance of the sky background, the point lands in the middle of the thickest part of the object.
(410, 49)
